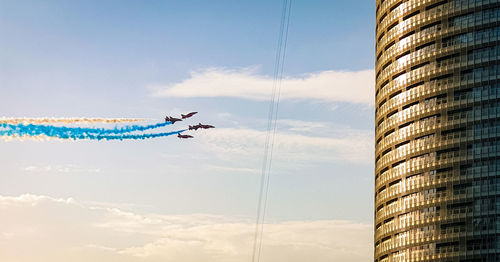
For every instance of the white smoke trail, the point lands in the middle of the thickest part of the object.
(29, 138)
(68, 120)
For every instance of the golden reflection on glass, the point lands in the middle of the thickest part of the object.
(420, 152)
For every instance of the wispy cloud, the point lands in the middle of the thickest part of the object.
(60, 169)
(56, 229)
(301, 126)
(337, 86)
(228, 169)
(354, 146)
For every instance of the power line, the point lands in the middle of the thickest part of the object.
(271, 128)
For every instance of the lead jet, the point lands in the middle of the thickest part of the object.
(194, 127)
(172, 119)
(188, 115)
(205, 126)
(184, 136)
(200, 125)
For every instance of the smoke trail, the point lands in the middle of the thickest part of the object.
(46, 129)
(13, 135)
(69, 120)
(26, 137)
(117, 137)
(135, 137)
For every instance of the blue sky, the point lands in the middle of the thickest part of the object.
(151, 58)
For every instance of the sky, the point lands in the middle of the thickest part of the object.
(188, 200)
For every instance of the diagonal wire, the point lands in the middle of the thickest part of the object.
(271, 129)
(271, 150)
(266, 145)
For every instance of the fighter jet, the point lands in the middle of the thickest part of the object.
(194, 127)
(205, 126)
(172, 119)
(188, 115)
(200, 125)
(184, 136)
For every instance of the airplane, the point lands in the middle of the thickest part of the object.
(188, 115)
(172, 119)
(205, 126)
(184, 136)
(200, 125)
(193, 127)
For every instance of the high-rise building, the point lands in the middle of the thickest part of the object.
(437, 154)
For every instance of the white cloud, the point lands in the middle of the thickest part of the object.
(300, 126)
(6, 201)
(353, 146)
(55, 229)
(233, 169)
(337, 86)
(60, 169)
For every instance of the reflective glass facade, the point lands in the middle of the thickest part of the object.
(437, 153)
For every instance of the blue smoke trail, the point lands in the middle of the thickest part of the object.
(84, 136)
(78, 133)
(119, 137)
(142, 136)
(49, 129)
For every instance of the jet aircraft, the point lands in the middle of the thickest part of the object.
(188, 115)
(193, 127)
(200, 125)
(184, 136)
(205, 126)
(172, 119)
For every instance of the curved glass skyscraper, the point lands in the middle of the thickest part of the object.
(437, 166)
